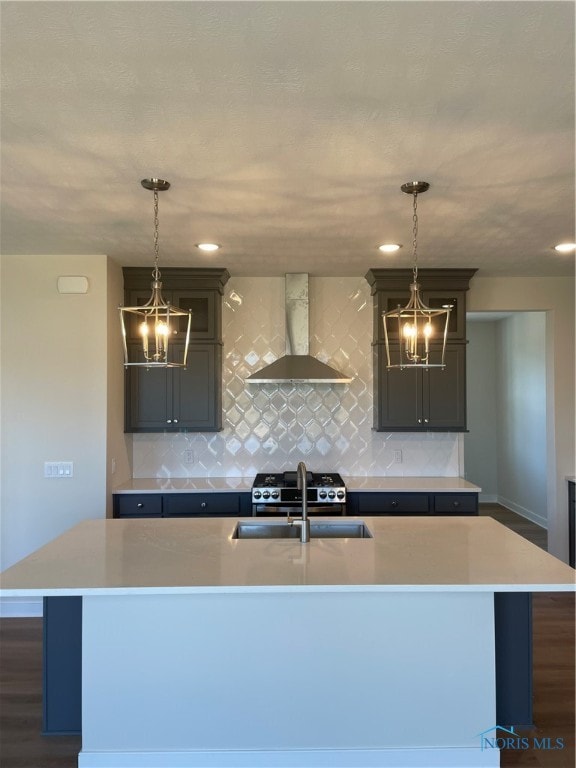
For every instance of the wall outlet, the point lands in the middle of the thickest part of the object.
(113, 466)
(188, 455)
(53, 469)
(397, 456)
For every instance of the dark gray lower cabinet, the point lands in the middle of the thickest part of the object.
(227, 504)
(385, 503)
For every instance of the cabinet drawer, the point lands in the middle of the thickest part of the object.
(204, 504)
(455, 504)
(393, 503)
(138, 505)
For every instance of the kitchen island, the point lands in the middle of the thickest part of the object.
(200, 649)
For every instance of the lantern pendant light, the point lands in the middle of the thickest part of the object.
(153, 323)
(420, 331)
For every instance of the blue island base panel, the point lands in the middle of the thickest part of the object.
(62, 666)
(303, 679)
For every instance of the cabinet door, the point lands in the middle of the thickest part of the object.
(196, 390)
(148, 405)
(202, 504)
(419, 400)
(455, 503)
(388, 300)
(137, 505)
(457, 321)
(204, 325)
(393, 503)
(136, 298)
(175, 399)
(385, 301)
(397, 396)
(444, 392)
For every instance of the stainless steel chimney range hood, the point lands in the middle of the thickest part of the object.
(297, 366)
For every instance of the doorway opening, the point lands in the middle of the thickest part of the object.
(505, 450)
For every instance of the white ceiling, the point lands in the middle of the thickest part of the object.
(286, 130)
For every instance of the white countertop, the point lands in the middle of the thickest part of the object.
(244, 484)
(185, 556)
(186, 485)
(411, 484)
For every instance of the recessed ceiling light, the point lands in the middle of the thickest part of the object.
(389, 247)
(207, 246)
(565, 247)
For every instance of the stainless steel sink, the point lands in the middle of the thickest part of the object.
(319, 529)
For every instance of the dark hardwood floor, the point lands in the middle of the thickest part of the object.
(23, 746)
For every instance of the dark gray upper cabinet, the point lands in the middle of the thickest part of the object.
(179, 399)
(421, 400)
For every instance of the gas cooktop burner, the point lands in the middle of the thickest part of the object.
(288, 480)
(270, 480)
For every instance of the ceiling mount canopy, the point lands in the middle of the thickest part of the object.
(415, 335)
(153, 323)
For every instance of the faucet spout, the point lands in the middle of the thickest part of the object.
(302, 485)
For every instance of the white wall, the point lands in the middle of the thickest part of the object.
(53, 370)
(480, 443)
(522, 457)
(555, 296)
(118, 444)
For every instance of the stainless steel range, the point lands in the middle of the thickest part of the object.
(277, 493)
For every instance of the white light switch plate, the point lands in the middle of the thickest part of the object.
(53, 469)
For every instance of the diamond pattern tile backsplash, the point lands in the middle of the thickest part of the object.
(274, 426)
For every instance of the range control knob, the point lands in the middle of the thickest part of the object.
(256, 494)
(266, 495)
(331, 495)
(275, 494)
(322, 494)
(340, 494)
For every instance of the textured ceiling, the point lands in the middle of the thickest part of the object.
(286, 130)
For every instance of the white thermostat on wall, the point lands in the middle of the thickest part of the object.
(72, 284)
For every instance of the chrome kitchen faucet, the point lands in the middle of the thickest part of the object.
(302, 485)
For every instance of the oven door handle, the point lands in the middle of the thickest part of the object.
(294, 510)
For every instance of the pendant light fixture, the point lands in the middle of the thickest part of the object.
(415, 335)
(152, 326)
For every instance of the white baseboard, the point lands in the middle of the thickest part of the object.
(488, 498)
(523, 512)
(424, 757)
(21, 607)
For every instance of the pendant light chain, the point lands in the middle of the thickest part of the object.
(415, 237)
(156, 273)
